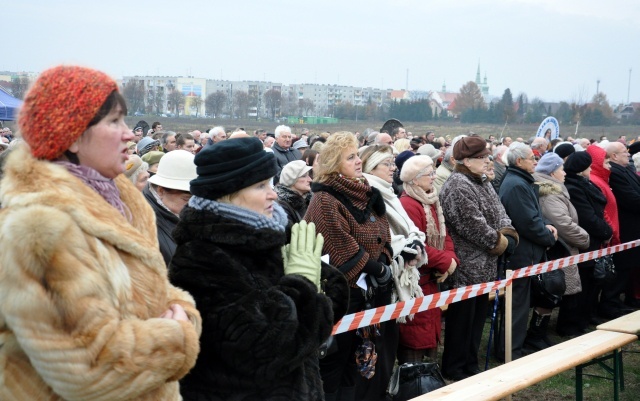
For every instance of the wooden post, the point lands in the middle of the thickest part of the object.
(508, 305)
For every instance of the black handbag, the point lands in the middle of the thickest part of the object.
(604, 270)
(548, 288)
(410, 380)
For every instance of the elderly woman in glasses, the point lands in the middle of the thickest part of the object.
(481, 231)
(420, 337)
(407, 245)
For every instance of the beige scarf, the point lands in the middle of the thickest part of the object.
(435, 237)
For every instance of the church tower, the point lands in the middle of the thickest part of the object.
(482, 84)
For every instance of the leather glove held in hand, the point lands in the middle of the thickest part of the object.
(411, 251)
(511, 248)
(302, 254)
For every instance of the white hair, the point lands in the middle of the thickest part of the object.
(281, 128)
(456, 139)
(517, 150)
(636, 159)
(215, 131)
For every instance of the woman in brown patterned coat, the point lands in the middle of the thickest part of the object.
(481, 232)
(350, 214)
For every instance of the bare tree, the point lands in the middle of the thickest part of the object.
(155, 99)
(306, 106)
(214, 103)
(133, 92)
(19, 86)
(241, 100)
(272, 101)
(196, 102)
(175, 100)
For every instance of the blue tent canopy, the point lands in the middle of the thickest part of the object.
(8, 106)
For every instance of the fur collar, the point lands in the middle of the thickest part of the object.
(225, 232)
(462, 169)
(294, 199)
(346, 192)
(31, 182)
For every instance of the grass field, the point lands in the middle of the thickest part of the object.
(442, 129)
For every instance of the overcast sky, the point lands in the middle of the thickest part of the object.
(552, 49)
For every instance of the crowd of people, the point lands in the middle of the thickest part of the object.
(212, 265)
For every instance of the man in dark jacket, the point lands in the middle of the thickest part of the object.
(519, 196)
(282, 149)
(625, 185)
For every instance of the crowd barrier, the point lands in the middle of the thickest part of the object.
(393, 311)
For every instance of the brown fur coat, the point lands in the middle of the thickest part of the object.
(81, 290)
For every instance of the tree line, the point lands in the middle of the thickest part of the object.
(469, 107)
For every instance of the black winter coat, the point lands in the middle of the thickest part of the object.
(625, 185)
(166, 223)
(520, 199)
(589, 202)
(261, 329)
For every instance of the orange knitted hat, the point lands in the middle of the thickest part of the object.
(59, 106)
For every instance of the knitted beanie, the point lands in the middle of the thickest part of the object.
(577, 162)
(564, 149)
(549, 162)
(402, 158)
(229, 166)
(59, 107)
(414, 166)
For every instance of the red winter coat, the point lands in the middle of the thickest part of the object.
(424, 330)
(600, 177)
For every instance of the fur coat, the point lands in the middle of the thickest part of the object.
(81, 292)
(261, 329)
(557, 208)
(477, 223)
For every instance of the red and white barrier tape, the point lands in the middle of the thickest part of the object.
(432, 301)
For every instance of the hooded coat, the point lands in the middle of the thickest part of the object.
(261, 328)
(81, 292)
(589, 203)
(557, 208)
(600, 177)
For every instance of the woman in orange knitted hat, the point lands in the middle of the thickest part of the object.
(86, 307)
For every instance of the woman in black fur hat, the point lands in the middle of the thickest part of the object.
(264, 318)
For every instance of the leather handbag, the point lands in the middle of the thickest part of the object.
(604, 270)
(410, 380)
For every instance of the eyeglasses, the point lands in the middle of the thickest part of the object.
(485, 157)
(388, 165)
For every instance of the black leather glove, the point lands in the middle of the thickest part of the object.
(380, 272)
(511, 247)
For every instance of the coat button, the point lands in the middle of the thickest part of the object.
(379, 240)
(372, 218)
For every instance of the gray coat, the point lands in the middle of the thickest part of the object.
(476, 221)
(557, 208)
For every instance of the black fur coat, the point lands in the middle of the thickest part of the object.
(261, 329)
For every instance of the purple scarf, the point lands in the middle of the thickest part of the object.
(104, 186)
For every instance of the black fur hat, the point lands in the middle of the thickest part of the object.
(231, 165)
